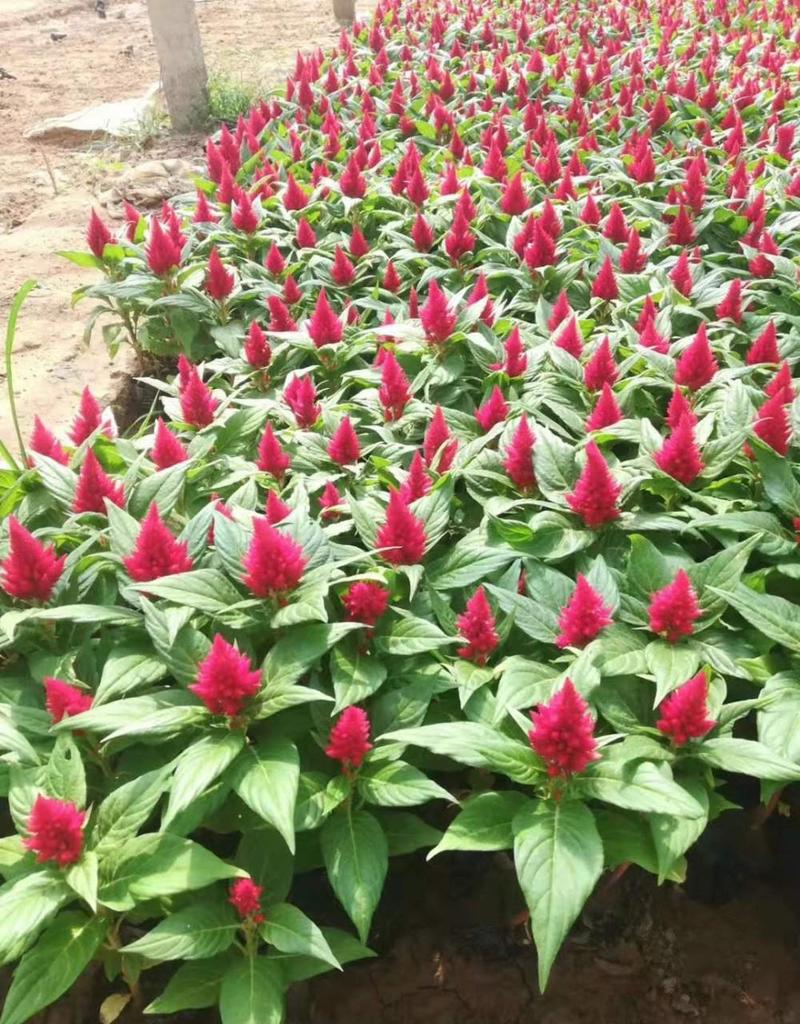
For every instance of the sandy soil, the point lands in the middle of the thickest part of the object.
(97, 61)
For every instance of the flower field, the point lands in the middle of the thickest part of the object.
(468, 521)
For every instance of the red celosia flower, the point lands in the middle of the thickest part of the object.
(366, 602)
(89, 418)
(97, 235)
(198, 404)
(541, 252)
(493, 411)
(94, 486)
(394, 392)
(570, 338)
(697, 364)
(605, 284)
(422, 234)
(674, 609)
(681, 275)
(730, 308)
(684, 713)
(765, 348)
(32, 569)
(167, 449)
(601, 368)
(163, 251)
(606, 410)
(257, 351)
(438, 321)
(343, 272)
(324, 327)
(274, 262)
(516, 361)
(782, 384)
(157, 553)
(44, 442)
(271, 456)
(344, 446)
(276, 510)
(563, 733)
(477, 627)
(518, 462)
(243, 215)
(63, 700)
(436, 436)
(329, 500)
(349, 739)
(219, 281)
(595, 495)
(245, 898)
(514, 199)
(226, 679)
(772, 424)
(402, 534)
(679, 456)
(294, 198)
(274, 563)
(417, 482)
(301, 397)
(280, 318)
(55, 830)
(678, 409)
(583, 616)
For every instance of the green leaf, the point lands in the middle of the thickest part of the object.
(523, 683)
(406, 833)
(779, 721)
(558, 855)
(289, 930)
(194, 933)
(206, 590)
(268, 783)
(193, 986)
(127, 808)
(466, 564)
(410, 636)
(484, 823)
(673, 836)
(65, 777)
(637, 786)
(345, 948)
(648, 570)
(775, 617)
(81, 877)
(627, 839)
(163, 487)
(297, 651)
(356, 859)
(198, 767)
(748, 757)
(128, 668)
(534, 618)
(397, 784)
(671, 664)
(252, 993)
(12, 740)
(356, 674)
(48, 970)
(26, 903)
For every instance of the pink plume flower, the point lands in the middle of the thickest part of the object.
(697, 365)
(301, 397)
(438, 441)
(271, 456)
(276, 510)
(684, 713)
(493, 411)
(679, 455)
(280, 319)
(678, 409)
(329, 501)
(163, 251)
(324, 326)
(31, 569)
(366, 602)
(516, 360)
(605, 284)
(782, 384)
(167, 449)
(584, 616)
(55, 830)
(477, 627)
(94, 485)
(402, 534)
(219, 281)
(198, 404)
(773, 426)
(257, 351)
(563, 733)
(394, 392)
(156, 553)
(344, 446)
(226, 680)
(274, 262)
(601, 368)
(294, 198)
(595, 495)
(518, 462)
(570, 338)
(514, 200)
(417, 483)
(606, 411)
(63, 700)
(245, 898)
(44, 442)
(730, 308)
(674, 609)
(681, 275)
(97, 235)
(765, 347)
(88, 419)
(438, 321)
(243, 214)
(349, 739)
(274, 563)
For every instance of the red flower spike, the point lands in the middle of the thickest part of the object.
(516, 360)
(271, 456)
(359, 246)
(422, 234)
(63, 700)
(94, 486)
(301, 397)
(226, 680)
(294, 198)
(437, 435)
(243, 214)
(276, 510)
(773, 426)
(55, 830)
(156, 553)
(402, 534)
(674, 609)
(97, 235)
(31, 569)
(493, 411)
(782, 384)
(684, 713)
(678, 409)
(601, 368)
(167, 450)
(394, 392)
(560, 311)
(697, 365)
(681, 275)
(329, 500)
(584, 616)
(606, 411)
(730, 308)
(344, 446)
(257, 351)
(275, 263)
(679, 456)
(438, 321)
(563, 733)
(163, 251)
(219, 281)
(245, 898)
(324, 327)
(280, 318)
(765, 347)
(366, 602)
(343, 272)
(605, 284)
(417, 483)
(514, 200)
(477, 627)
(570, 338)
(198, 404)
(44, 442)
(274, 563)
(349, 739)
(595, 495)
(89, 418)
(518, 462)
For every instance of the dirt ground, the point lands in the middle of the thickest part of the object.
(64, 57)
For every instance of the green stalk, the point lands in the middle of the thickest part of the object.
(11, 329)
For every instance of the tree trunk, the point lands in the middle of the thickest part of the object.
(183, 68)
(344, 11)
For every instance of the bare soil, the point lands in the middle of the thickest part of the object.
(64, 57)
